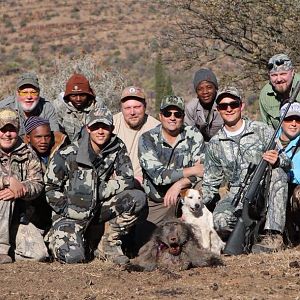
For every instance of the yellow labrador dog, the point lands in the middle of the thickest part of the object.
(195, 213)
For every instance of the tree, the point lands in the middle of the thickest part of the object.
(168, 86)
(248, 31)
(163, 83)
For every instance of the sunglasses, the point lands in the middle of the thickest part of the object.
(277, 63)
(232, 105)
(290, 119)
(32, 93)
(168, 114)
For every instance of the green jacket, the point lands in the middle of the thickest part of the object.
(270, 103)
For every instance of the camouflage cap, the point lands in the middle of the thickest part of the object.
(28, 78)
(9, 116)
(228, 91)
(100, 115)
(294, 110)
(132, 92)
(280, 62)
(172, 101)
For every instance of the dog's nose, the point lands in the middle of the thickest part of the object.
(173, 239)
(197, 205)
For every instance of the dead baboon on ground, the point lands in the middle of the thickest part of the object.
(173, 246)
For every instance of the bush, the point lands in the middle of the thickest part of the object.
(106, 82)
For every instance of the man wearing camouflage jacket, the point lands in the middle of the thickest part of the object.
(170, 156)
(92, 180)
(228, 155)
(20, 180)
(72, 111)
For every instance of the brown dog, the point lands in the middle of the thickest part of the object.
(173, 246)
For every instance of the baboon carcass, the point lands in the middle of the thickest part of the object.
(173, 246)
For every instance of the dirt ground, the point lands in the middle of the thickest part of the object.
(264, 276)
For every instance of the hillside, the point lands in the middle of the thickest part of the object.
(120, 34)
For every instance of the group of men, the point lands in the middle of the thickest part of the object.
(70, 166)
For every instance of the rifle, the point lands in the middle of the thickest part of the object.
(240, 239)
(235, 201)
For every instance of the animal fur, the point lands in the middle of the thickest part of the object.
(174, 247)
(195, 213)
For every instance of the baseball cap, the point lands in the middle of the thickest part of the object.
(294, 110)
(28, 78)
(100, 115)
(133, 91)
(172, 101)
(279, 62)
(9, 116)
(228, 91)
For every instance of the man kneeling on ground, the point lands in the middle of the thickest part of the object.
(20, 180)
(91, 181)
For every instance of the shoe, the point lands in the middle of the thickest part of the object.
(5, 259)
(270, 243)
(111, 251)
(224, 233)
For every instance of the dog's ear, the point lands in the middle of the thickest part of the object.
(183, 193)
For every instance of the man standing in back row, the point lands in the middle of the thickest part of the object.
(28, 102)
(201, 111)
(275, 93)
(72, 111)
(131, 123)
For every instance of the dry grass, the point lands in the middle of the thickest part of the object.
(265, 276)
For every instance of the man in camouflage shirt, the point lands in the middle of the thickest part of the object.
(73, 109)
(91, 181)
(170, 157)
(228, 155)
(20, 180)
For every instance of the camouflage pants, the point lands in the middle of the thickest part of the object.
(30, 243)
(27, 239)
(223, 214)
(67, 239)
(6, 209)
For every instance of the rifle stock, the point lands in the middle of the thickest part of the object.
(238, 241)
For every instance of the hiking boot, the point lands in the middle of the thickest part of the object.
(270, 243)
(5, 259)
(111, 251)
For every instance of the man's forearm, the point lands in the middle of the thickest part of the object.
(196, 170)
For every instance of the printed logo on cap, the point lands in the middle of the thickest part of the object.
(76, 88)
(132, 90)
